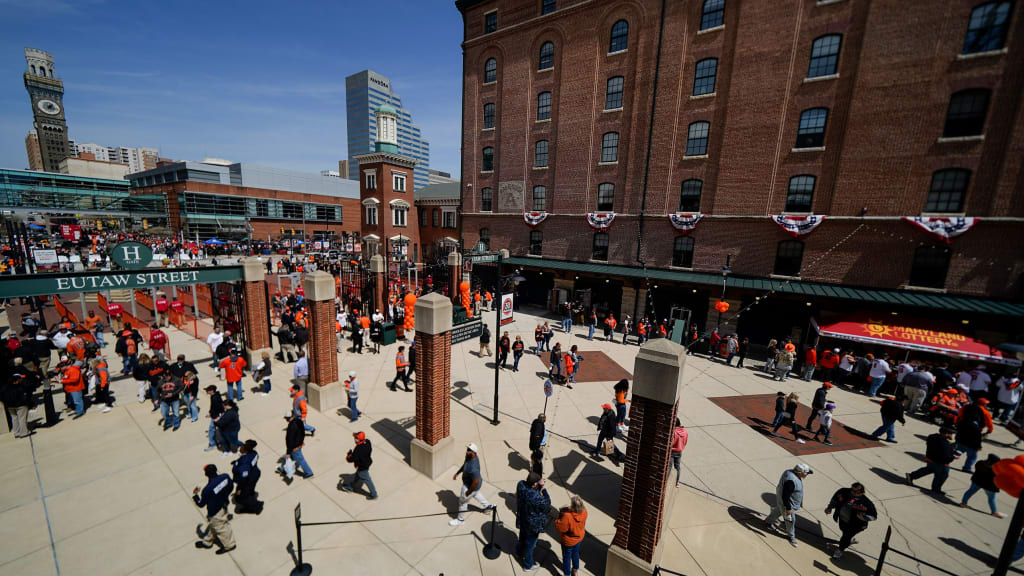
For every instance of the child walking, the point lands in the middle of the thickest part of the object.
(825, 423)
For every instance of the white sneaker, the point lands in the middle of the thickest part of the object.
(107, 409)
(264, 394)
(535, 566)
(455, 522)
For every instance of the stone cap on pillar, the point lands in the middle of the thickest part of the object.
(319, 286)
(658, 371)
(454, 258)
(504, 254)
(377, 264)
(433, 314)
(253, 270)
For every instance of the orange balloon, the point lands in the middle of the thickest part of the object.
(1009, 476)
(410, 299)
(464, 286)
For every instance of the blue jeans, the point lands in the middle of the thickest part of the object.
(266, 385)
(547, 343)
(1003, 411)
(78, 401)
(213, 434)
(300, 462)
(308, 428)
(515, 361)
(777, 421)
(571, 558)
(231, 439)
(352, 408)
(889, 427)
(130, 362)
(232, 393)
(99, 338)
(193, 408)
(876, 383)
(991, 497)
(556, 368)
(620, 413)
(525, 546)
(363, 476)
(941, 472)
(728, 359)
(970, 455)
(590, 332)
(169, 411)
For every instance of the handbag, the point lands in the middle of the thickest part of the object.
(608, 447)
(289, 467)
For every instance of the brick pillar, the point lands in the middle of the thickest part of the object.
(380, 292)
(728, 319)
(646, 498)
(257, 330)
(431, 452)
(324, 391)
(454, 276)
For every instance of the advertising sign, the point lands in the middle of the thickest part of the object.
(506, 309)
(44, 284)
(131, 255)
(45, 257)
(467, 331)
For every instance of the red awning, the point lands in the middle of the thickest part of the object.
(913, 334)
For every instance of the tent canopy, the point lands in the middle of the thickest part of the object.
(913, 334)
(214, 242)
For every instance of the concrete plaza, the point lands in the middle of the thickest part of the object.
(110, 494)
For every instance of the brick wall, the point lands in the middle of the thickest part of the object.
(257, 331)
(323, 343)
(645, 477)
(433, 386)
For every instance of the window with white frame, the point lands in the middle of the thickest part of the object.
(399, 214)
(371, 215)
(398, 181)
(371, 180)
(448, 217)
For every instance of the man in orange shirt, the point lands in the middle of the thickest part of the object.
(76, 348)
(233, 367)
(74, 384)
(810, 362)
(93, 324)
(401, 365)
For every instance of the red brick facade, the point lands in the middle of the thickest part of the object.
(257, 331)
(323, 343)
(384, 167)
(898, 66)
(433, 386)
(645, 479)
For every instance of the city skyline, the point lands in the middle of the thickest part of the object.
(279, 101)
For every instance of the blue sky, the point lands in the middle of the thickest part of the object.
(260, 82)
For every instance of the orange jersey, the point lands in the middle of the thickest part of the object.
(233, 370)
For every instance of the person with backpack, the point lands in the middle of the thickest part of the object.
(263, 372)
(170, 398)
(853, 511)
(984, 478)
(246, 473)
(572, 525)
(361, 457)
(972, 424)
(532, 503)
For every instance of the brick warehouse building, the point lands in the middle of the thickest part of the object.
(862, 112)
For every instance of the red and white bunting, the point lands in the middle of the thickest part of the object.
(797, 226)
(685, 223)
(600, 221)
(941, 228)
(534, 218)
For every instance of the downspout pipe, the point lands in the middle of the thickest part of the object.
(650, 139)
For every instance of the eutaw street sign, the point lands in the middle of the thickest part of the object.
(45, 284)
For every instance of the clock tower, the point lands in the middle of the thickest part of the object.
(46, 92)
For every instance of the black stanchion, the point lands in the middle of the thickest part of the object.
(491, 549)
(1010, 542)
(885, 550)
(301, 568)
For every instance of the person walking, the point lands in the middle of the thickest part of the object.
(300, 407)
(679, 438)
(234, 368)
(892, 411)
(916, 387)
(360, 457)
(984, 478)
(547, 333)
(792, 403)
(215, 497)
(190, 382)
(472, 482)
(215, 412)
(606, 433)
(228, 426)
(609, 327)
(572, 525)
(732, 346)
(852, 510)
(539, 434)
(504, 346)
(825, 423)
(246, 473)
(352, 390)
(532, 503)
(555, 358)
(810, 362)
(401, 365)
(1007, 397)
(783, 364)
(591, 323)
(101, 371)
(170, 400)
(538, 336)
(518, 347)
(940, 451)
(286, 339)
(771, 356)
(789, 497)
(973, 423)
(742, 349)
(485, 341)
(294, 439)
(818, 403)
(16, 394)
(621, 395)
(879, 371)
(300, 372)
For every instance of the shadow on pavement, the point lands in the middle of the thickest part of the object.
(396, 432)
(891, 477)
(979, 555)
(592, 492)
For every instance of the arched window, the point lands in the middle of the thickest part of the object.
(948, 190)
(824, 56)
(697, 138)
(486, 198)
(485, 238)
(606, 197)
(811, 132)
(548, 6)
(547, 56)
(437, 217)
(689, 195)
(704, 75)
(540, 199)
(682, 252)
(51, 72)
(966, 113)
(800, 193)
(536, 242)
(488, 115)
(488, 159)
(713, 14)
(544, 106)
(986, 30)
(788, 258)
(620, 37)
(613, 96)
(33, 66)
(540, 154)
(610, 147)
(423, 217)
(490, 70)
(600, 251)
(930, 266)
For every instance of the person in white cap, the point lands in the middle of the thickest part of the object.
(471, 484)
(352, 388)
(789, 497)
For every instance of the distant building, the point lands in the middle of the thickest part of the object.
(46, 93)
(343, 169)
(438, 177)
(330, 173)
(364, 92)
(88, 165)
(437, 206)
(136, 159)
(35, 157)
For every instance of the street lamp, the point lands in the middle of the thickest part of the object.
(725, 277)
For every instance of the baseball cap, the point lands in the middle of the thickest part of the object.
(352, 374)
(983, 401)
(359, 436)
(829, 385)
(606, 406)
(803, 469)
(471, 447)
(836, 350)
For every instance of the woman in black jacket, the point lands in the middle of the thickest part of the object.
(792, 403)
(853, 511)
(245, 472)
(984, 479)
(228, 425)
